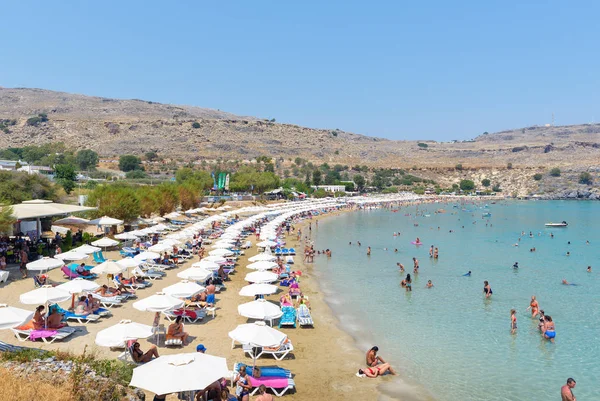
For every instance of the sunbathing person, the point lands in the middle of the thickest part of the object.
(54, 320)
(82, 307)
(81, 270)
(38, 320)
(140, 356)
(107, 291)
(285, 300)
(176, 330)
(221, 272)
(92, 303)
(378, 370)
(372, 358)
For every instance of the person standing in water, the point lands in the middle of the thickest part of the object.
(513, 321)
(368, 251)
(431, 252)
(415, 266)
(408, 283)
(401, 266)
(435, 253)
(566, 391)
(487, 290)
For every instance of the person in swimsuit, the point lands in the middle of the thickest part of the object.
(415, 266)
(436, 253)
(429, 284)
(513, 321)
(243, 387)
(378, 370)
(589, 269)
(368, 251)
(372, 358)
(549, 330)
(431, 251)
(140, 356)
(534, 306)
(467, 274)
(408, 283)
(487, 290)
(401, 266)
(566, 391)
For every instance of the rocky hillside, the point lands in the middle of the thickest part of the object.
(113, 127)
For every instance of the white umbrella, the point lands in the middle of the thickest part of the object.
(216, 259)
(158, 302)
(105, 221)
(72, 220)
(108, 267)
(105, 242)
(262, 257)
(207, 265)
(78, 285)
(266, 244)
(257, 334)
(170, 242)
(195, 273)
(225, 241)
(260, 309)
(11, 317)
(160, 248)
(220, 252)
(183, 289)
(179, 373)
(120, 333)
(261, 277)
(258, 289)
(222, 246)
(147, 255)
(126, 236)
(71, 255)
(129, 262)
(43, 295)
(44, 264)
(262, 265)
(85, 248)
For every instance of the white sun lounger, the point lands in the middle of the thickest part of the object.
(151, 275)
(278, 354)
(200, 314)
(173, 342)
(83, 319)
(109, 302)
(291, 386)
(304, 317)
(61, 334)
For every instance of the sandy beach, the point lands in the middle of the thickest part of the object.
(324, 360)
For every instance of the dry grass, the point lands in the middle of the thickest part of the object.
(18, 389)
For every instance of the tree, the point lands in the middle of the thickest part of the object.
(555, 172)
(359, 180)
(87, 159)
(6, 219)
(16, 187)
(135, 174)
(320, 193)
(585, 178)
(422, 145)
(486, 182)
(459, 167)
(316, 177)
(151, 156)
(332, 177)
(269, 167)
(195, 125)
(115, 200)
(496, 188)
(537, 176)
(467, 185)
(65, 176)
(129, 163)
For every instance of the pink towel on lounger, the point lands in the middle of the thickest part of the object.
(272, 382)
(34, 335)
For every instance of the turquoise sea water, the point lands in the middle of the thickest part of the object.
(448, 342)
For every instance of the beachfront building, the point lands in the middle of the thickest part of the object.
(331, 188)
(14, 165)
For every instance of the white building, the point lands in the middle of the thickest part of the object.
(331, 188)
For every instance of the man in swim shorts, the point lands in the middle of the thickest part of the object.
(566, 391)
(372, 358)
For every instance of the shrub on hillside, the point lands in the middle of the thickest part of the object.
(537, 176)
(467, 185)
(555, 172)
(585, 178)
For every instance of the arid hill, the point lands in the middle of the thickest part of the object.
(113, 127)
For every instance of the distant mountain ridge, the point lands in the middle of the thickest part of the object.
(113, 127)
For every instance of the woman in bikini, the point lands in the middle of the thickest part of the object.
(140, 356)
(549, 330)
(176, 330)
(378, 370)
(408, 283)
(534, 306)
(487, 290)
(243, 386)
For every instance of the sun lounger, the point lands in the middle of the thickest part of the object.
(134, 285)
(70, 274)
(82, 319)
(289, 317)
(246, 245)
(98, 257)
(279, 385)
(278, 353)
(304, 317)
(291, 251)
(109, 302)
(47, 336)
(265, 371)
(189, 315)
(151, 275)
(173, 342)
(289, 260)
(127, 355)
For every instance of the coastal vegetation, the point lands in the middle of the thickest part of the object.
(555, 172)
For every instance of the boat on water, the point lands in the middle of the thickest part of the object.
(563, 224)
(487, 214)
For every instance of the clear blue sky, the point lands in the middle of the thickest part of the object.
(397, 69)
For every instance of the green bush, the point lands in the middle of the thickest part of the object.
(509, 166)
(135, 174)
(555, 172)
(130, 163)
(486, 182)
(585, 178)
(458, 167)
(467, 185)
(537, 176)
(195, 125)
(496, 188)
(422, 145)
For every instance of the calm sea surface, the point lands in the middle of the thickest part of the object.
(448, 342)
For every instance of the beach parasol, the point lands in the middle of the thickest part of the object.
(179, 373)
(207, 265)
(260, 309)
(72, 221)
(195, 273)
(43, 295)
(258, 289)
(11, 317)
(105, 221)
(266, 244)
(261, 277)
(126, 236)
(158, 302)
(262, 265)
(257, 334)
(183, 289)
(108, 267)
(44, 264)
(71, 255)
(120, 333)
(160, 248)
(105, 242)
(85, 248)
(129, 262)
(147, 255)
(262, 257)
(220, 252)
(216, 259)
(77, 286)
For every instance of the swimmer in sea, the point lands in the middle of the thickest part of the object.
(551, 235)
(350, 243)
(408, 283)
(401, 266)
(415, 265)
(435, 253)
(568, 253)
(368, 251)
(396, 250)
(549, 329)
(513, 321)
(358, 242)
(589, 269)
(429, 284)
(467, 274)
(487, 290)
(516, 265)
(431, 252)
(534, 306)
